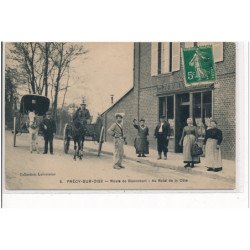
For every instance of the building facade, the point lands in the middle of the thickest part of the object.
(160, 89)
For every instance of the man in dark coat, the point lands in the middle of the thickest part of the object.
(48, 127)
(162, 133)
(82, 114)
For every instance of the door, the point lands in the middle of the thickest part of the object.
(182, 113)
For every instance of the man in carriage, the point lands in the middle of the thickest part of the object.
(82, 114)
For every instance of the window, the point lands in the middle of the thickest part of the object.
(170, 107)
(160, 63)
(202, 110)
(165, 57)
(162, 106)
(207, 104)
(166, 108)
(197, 105)
(170, 113)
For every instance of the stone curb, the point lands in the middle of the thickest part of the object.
(194, 171)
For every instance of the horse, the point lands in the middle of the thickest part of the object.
(78, 135)
(33, 128)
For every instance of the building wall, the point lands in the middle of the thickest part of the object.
(223, 93)
(224, 114)
(146, 80)
(227, 66)
(142, 101)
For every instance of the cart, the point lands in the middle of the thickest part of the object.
(39, 104)
(93, 132)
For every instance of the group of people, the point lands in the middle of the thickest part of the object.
(48, 126)
(212, 142)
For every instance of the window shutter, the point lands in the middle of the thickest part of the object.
(165, 56)
(217, 50)
(176, 55)
(189, 45)
(154, 59)
(204, 43)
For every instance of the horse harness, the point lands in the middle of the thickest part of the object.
(33, 124)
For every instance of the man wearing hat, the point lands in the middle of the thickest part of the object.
(116, 130)
(162, 133)
(48, 127)
(82, 113)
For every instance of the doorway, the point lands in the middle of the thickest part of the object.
(182, 113)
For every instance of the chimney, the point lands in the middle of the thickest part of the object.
(112, 99)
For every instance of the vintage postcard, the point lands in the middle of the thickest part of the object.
(119, 115)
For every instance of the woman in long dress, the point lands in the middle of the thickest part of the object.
(212, 141)
(189, 138)
(141, 141)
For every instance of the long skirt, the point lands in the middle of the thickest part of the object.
(188, 143)
(212, 154)
(141, 145)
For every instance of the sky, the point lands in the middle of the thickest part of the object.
(106, 69)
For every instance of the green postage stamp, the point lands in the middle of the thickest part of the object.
(198, 64)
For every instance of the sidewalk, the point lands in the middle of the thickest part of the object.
(173, 162)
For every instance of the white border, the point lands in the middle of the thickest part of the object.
(131, 20)
(216, 198)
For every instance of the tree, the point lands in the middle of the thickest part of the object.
(62, 56)
(46, 67)
(11, 79)
(46, 53)
(28, 59)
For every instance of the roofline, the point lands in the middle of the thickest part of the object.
(126, 93)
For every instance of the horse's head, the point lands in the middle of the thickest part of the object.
(78, 129)
(77, 123)
(32, 119)
(31, 116)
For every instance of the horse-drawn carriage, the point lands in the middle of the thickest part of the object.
(34, 107)
(79, 132)
(29, 103)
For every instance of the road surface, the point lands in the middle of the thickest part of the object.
(25, 171)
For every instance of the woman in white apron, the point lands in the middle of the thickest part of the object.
(212, 141)
(189, 138)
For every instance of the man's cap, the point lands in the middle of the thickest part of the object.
(83, 103)
(142, 120)
(48, 113)
(119, 115)
(163, 116)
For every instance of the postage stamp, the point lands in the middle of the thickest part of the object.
(198, 65)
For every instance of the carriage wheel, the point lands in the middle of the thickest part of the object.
(100, 141)
(14, 132)
(66, 139)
